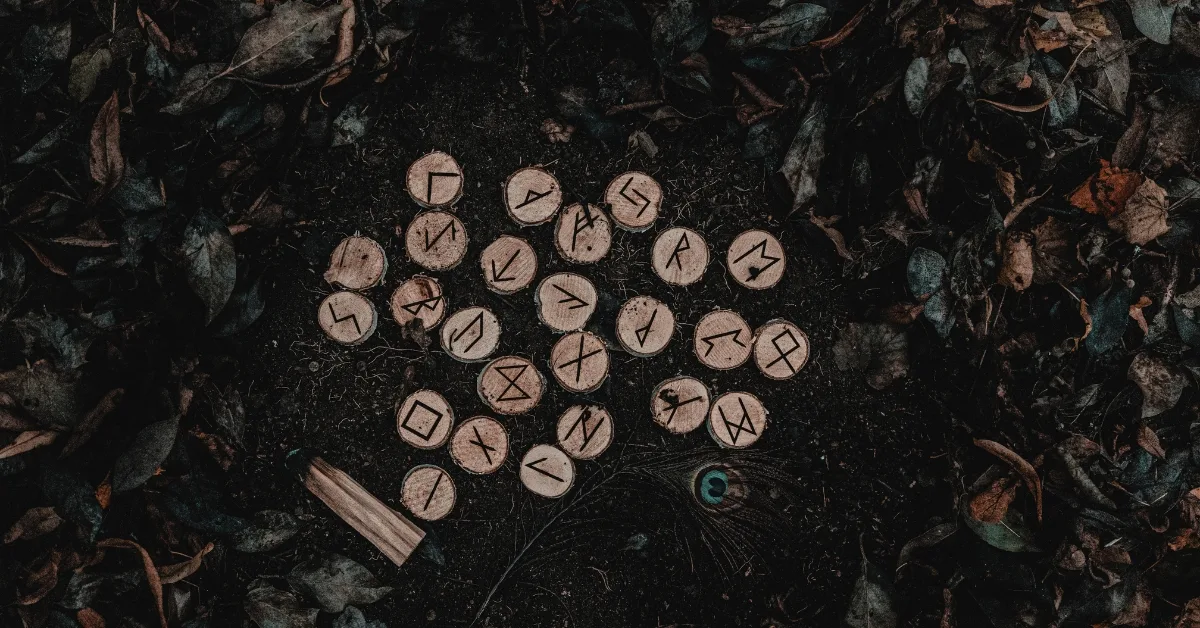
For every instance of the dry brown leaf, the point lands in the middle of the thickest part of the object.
(989, 4)
(1106, 192)
(1148, 440)
(148, 566)
(916, 202)
(1016, 271)
(1189, 617)
(1189, 508)
(1055, 252)
(45, 260)
(105, 161)
(89, 618)
(28, 441)
(1008, 185)
(345, 45)
(1020, 465)
(1135, 312)
(1161, 384)
(153, 31)
(170, 574)
(842, 33)
(903, 313)
(41, 581)
(104, 492)
(1144, 217)
(1016, 108)
(557, 132)
(826, 225)
(991, 505)
(34, 523)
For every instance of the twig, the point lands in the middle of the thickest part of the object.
(632, 106)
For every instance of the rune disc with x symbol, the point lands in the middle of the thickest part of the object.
(579, 361)
(511, 385)
(479, 445)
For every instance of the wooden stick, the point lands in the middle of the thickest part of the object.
(387, 529)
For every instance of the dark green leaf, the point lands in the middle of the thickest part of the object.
(1110, 316)
(147, 451)
(198, 89)
(210, 262)
(72, 497)
(42, 49)
(45, 393)
(244, 307)
(45, 146)
(796, 25)
(870, 603)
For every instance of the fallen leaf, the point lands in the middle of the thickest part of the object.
(1016, 270)
(927, 281)
(290, 36)
(926, 539)
(211, 261)
(72, 497)
(28, 441)
(879, 349)
(335, 581)
(802, 163)
(41, 580)
(104, 492)
(170, 574)
(105, 161)
(1107, 192)
(42, 49)
(268, 530)
(91, 421)
(147, 566)
(871, 604)
(353, 122)
(1148, 440)
(89, 618)
(271, 608)
(34, 523)
(1020, 465)
(1153, 18)
(1009, 534)
(345, 45)
(354, 618)
(1161, 384)
(1108, 316)
(1136, 313)
(147, 451)
(826, 225)
(797, 24)
(1110, 63)
(557, 132)
(200, 87)
(1144, 216)
(991, 504)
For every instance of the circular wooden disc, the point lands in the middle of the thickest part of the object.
(511, 385)
(679, 256)
(645, 326)
(722, 340)
(756, 260)
(428, 492)
(347, 317)
(357, 263)
(532, 196)
(736, 420)
(583, 234)
(585, 431)
(419, 298)
(436, 240)
(547, 471)
(435, 180)
(634, 199)
(479, 445)
(680, 404)
(424, 419)
(579, 361)
(509, 265)
(471, 334)
(565, 301)
(780, 349)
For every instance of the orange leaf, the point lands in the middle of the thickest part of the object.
(992, 504)
(1106, 192)
(89, 618)
(104, 492)
(28, 441)
(1020, 465)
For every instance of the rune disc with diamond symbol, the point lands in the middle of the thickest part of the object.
(511, 385)
(579, 361)
(736, 420)
(424, 419)
(780, 349)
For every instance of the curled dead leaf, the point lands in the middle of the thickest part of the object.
(28, 441)
(33, 524)
(105, 161)
(1106, 192)
(1016, 272)
(991, 504)
(1020, 465)
(1161, 384)
(1144, 216)
(152, 578)
(170, 574)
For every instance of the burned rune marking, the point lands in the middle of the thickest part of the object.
(484, 447)
(497, 276)
(512, 382)
(578, 360)
(644, 331)
(450, 226)
(432, 491)
(533, 465)
(437, 420)
(415, 307)
(682, 245)
(673, 405)
(783, 355)
(533, 197)
(352, 317)
(582, 422)
(645, 202)
(429, 184)
(741, 426)
(583, 221)
(754, 271)
(458, 334)
(570, 298)
(711, 340)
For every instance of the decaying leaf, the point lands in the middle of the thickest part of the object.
(926, 539)
(991, 504)
(271, 608)
(200, 87)
(292, 35)
(105, 162)
(1160, 383)
(41, 49)
(1108, 316)
(1055, 256)
(1016, 270)
(211, 261)
(345, 44)
(797, 24)
(89, 618)
(335, 581)
(170, 574)
(268, 530)
(880, 349)
(1144, 216)
(928, 282)
(871, 604)
(1153, 18)
(151, 572)
(147, 451)
(1110, 64)
(33, 524)
(1148, 440)
(1106, 192)
(1027, 472)
(802, 163)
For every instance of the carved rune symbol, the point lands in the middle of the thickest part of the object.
(484, 447)
(645, 202)
(582, 423)
(783, 354)
(583, 221)
(644, 331)
(498, 276)
(429, 183)
(674, 406)
(570, 298)
(450, 226)
(512, 380)
(476, 322)
(433, 491)
(754, 271)
(352, 317)
(743, 426)
(415, 307)
(682, 245)
(531, 197)
(733, 335)
(426, 412)
(532, 464)
(578, 360)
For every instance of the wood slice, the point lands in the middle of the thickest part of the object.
(419, 298)
(424, 419)
(471, 334)
(645, 326)
(583, 234)
(634, 199)
(435, 180)
(509, 265)
(679, 256)
(565, 301)
(736, 420)
(579, 361)
(722, 340)
(780, 349)
(428, 492)
(585, 431)
(347, 317)
(357, 263)
(511, 385)
(680, 404)
(479, 445)
(532, 196)
(436, 240)
(547, 471)
(756, 260)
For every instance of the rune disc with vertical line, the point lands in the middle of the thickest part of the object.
(419, 298)
(722, 340)
(347, 317)
(780, 349)
(645, 326)
(435, 180)
(436, 240)
(509, 265)
(532, 196)
(424, 419)
(357, 263)
(736, 420)
(511, 385)
(479, 445)
(679, 256)
(756, 260)
(579, 361)
(565, 301)
(428, 492)
(583, 234)
(585, 431)
(680, 404)
(547, 471)
(471, 334)
(634, 199)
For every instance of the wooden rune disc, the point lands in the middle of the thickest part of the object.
(479, 445)
(634, 199)
(736, 420)
(511, 385)
(509, 265)
(756, 260)
(722, 340)
(583, 234)
(532, 196)
(547, 471)
(645, 326)
(585, 431)
(780, 349)
(680, 404)
(679, 256)
(435, 180)
(565, 301)
(347, 317)
(419, 298)
(357, 263)
(579, 361)
(436, 240)
(471, 334)
(428, 492)
(424, 419)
